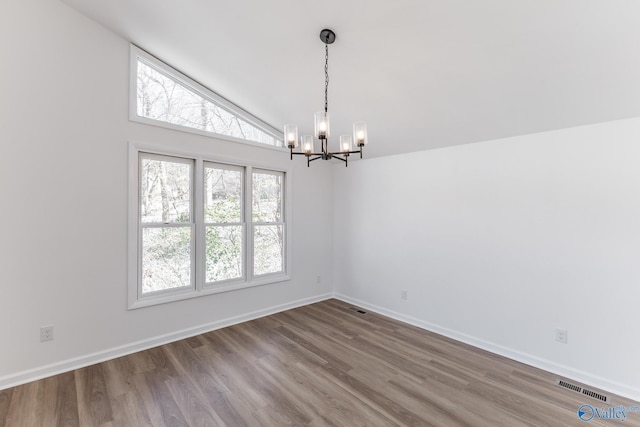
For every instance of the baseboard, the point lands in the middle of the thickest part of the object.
(91, 359)
(623, 390)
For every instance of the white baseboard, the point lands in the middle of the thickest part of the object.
(595, 381)
(101, 356)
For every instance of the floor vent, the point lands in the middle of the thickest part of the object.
(570, 386)
(595, 395)
(357, 310)
(583, 391)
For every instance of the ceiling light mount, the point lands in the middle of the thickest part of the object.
(322, 125)
(327, 36)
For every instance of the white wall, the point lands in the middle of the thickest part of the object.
(64, 131)
(500, 243)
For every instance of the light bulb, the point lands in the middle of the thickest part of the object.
(291, 135)
(307, 144)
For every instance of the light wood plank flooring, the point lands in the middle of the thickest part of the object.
(319, 365)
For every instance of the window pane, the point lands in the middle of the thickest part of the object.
(162, 98)
(166, 258)
(267, 197)
(224, 253)
(267, 248)
(222, 195)
(165, 191)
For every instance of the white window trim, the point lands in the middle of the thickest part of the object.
(135, 299)
(137, 53)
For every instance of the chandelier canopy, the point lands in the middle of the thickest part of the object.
(322, 126)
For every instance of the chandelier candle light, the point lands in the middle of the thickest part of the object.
(322, 127)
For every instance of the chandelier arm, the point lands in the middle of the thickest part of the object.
(302, 153)
(346, 152)
(309, 159)
(345, 159)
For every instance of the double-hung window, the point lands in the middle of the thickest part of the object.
(166, 224)
(224, 224)
(267, 222)
(203, 226)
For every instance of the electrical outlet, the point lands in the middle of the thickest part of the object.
(403, 294)
(318, 279)
(46, 333)
(561, 335)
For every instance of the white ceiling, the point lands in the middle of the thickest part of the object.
(422, 73)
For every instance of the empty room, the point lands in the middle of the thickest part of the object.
(338, 213)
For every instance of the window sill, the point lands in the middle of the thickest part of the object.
(209, 290)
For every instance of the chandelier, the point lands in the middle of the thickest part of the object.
(321, 125)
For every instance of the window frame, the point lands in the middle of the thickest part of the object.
(136, 299)
(242, 223)
(251, 223)
(137, 53)
(191, 224)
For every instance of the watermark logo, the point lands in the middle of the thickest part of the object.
(587, 412)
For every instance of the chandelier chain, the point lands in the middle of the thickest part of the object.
(326, 78)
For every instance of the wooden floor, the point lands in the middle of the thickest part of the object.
(319, 365)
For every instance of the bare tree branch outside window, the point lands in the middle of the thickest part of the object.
(160, 97)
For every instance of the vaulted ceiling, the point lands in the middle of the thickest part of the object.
(422, 73)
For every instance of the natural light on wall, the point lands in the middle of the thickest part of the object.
(168, 98)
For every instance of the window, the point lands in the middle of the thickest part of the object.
(201, 226)
(166, 223)
(224, 222)
(163, 96)
(267, 223)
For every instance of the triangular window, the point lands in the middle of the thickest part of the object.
(166, 97)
